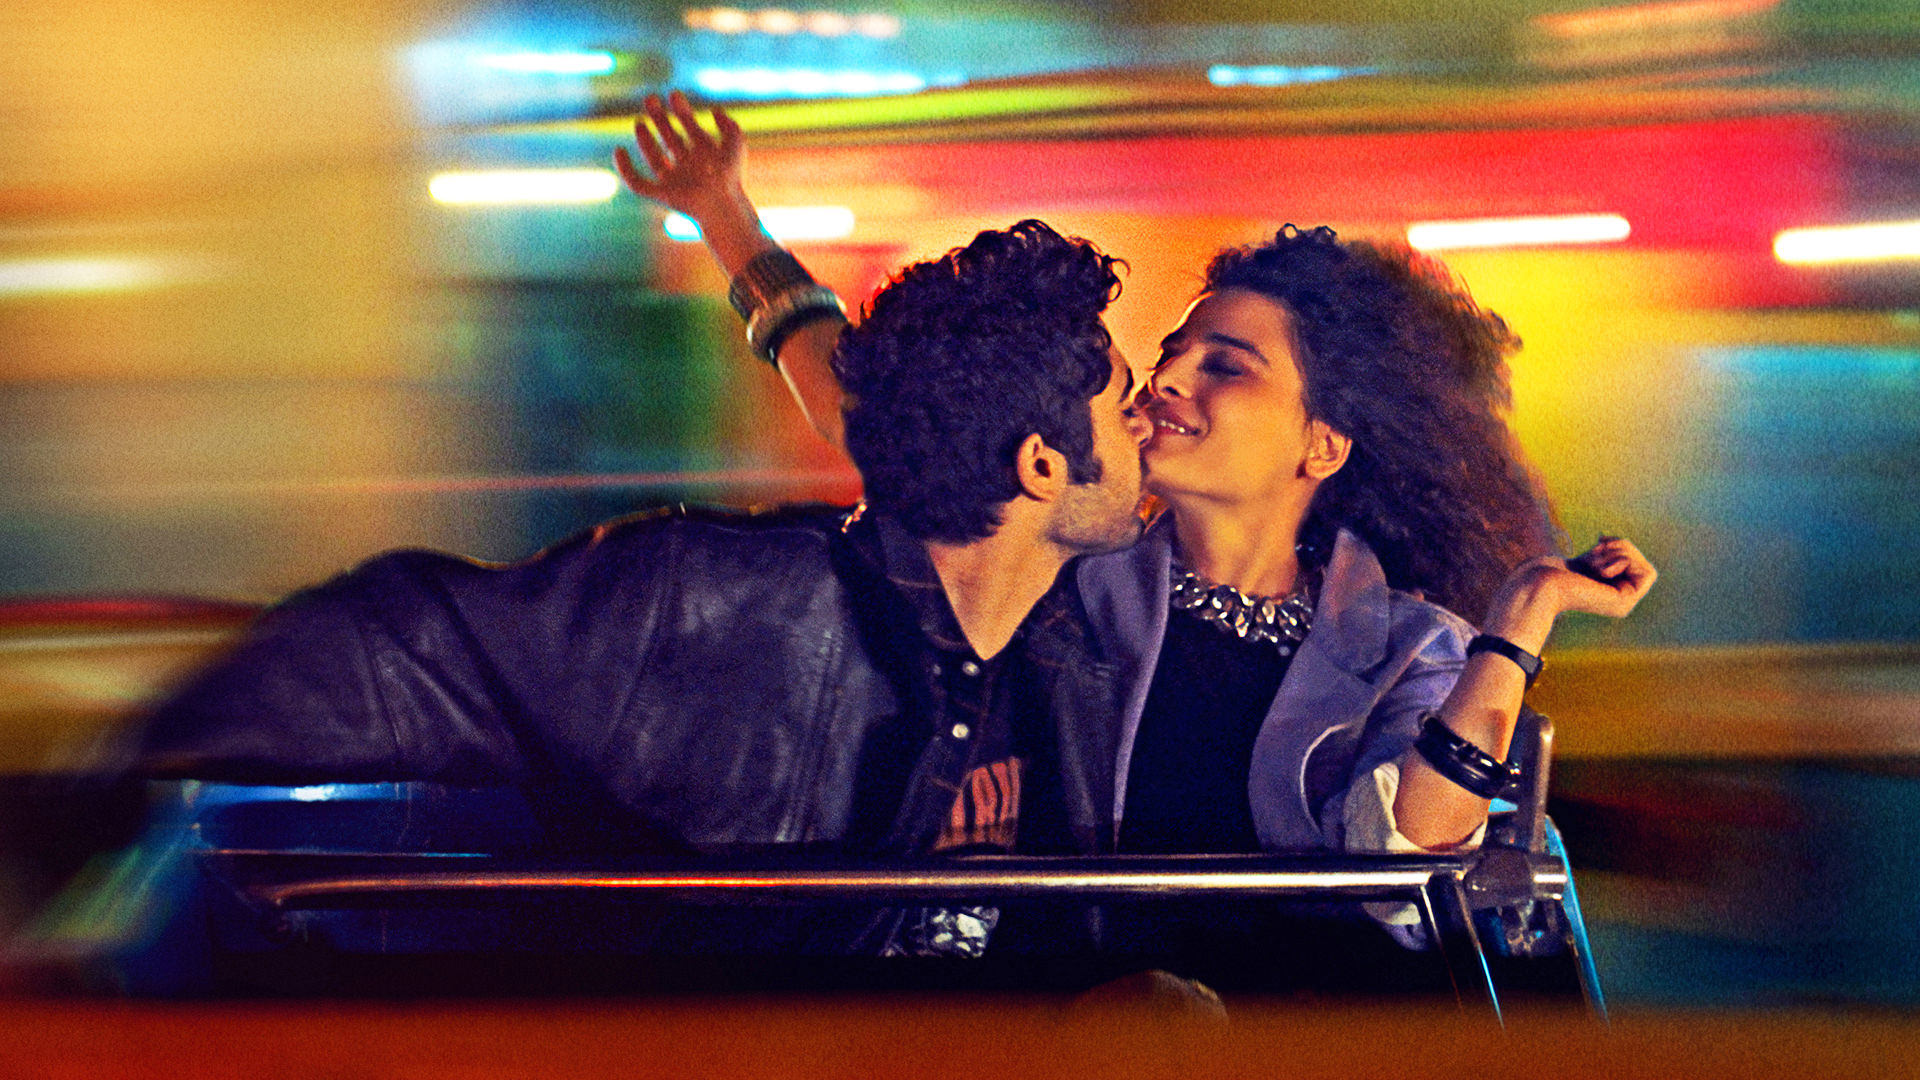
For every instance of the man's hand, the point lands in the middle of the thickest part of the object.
(693, 171)
(698, 174)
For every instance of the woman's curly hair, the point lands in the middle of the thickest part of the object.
(958, 359)
(1395, 354)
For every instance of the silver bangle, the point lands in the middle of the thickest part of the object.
(772, 322)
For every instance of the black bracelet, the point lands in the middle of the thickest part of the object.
(806, 316)
(766, 276)
(1529, 663)
(770, 325)
(1462, 762)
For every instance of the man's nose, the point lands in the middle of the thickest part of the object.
(1138, 425)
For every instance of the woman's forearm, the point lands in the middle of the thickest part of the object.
(1609, 579)
(1483, 708)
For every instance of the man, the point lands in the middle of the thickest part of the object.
(903, 681)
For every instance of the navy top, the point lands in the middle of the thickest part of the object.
(1187, 784)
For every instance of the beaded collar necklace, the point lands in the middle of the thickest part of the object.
(1282, 620)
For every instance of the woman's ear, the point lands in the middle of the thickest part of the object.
(1042, 469)
(1327, 450)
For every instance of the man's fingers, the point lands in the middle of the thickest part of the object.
(650, 148)
(730, 138)
(675, 143)
(683, 111)
(641, 185)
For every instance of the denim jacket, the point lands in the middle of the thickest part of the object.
(1376, 661)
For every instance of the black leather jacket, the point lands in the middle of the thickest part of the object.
(713, 678)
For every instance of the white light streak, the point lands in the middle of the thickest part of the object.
(1278, 75)
(549, 63)
(783, 223)
(1819, 246)
(1518, 232)
(876, 25)
(315, 793)
(93, 274)
(828, 24)
(524, 187)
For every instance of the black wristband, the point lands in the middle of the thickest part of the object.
(1528, 663)
(1462, 762)
(806, 316)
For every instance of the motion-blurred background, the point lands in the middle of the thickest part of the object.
(282, 285)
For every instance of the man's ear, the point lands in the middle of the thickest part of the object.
(1042, 469)
(1327, 450)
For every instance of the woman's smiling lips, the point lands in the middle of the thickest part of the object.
(1163, 422)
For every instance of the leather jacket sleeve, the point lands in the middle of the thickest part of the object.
(415, 666)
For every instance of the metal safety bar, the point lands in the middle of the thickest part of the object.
(305, 880)
(1446, 890)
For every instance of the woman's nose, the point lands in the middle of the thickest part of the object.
(1164, 381)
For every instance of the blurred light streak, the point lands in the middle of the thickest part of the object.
(166, 493)
(1825, 245)
(93, 640)
(876, 25)
(1645, 17)
(1823, 359)
(522, 187)
(315, 793)
(769, 82)
(97, 274)
(777, 21)
(828, 24)
(784, 223)
(781, 22)
(550, 63)
(1278, 75)
(1518, 232)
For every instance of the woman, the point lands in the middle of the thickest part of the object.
(1329, 446)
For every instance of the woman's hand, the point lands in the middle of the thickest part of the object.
(1608, 579)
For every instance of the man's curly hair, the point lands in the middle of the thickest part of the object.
(1396, 354)
(958, 359)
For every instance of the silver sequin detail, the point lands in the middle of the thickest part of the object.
(1284, 621)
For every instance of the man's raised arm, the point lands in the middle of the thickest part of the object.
(699, 173)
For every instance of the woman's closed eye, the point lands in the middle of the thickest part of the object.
(1222, 366)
